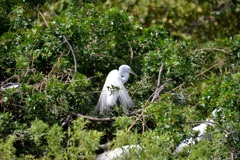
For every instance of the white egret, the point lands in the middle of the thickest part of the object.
(120, 153)
(114, 90)
(202, 132)
(9, 86)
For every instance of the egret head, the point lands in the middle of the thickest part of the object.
(126, 69)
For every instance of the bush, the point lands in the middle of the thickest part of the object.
(61, 57)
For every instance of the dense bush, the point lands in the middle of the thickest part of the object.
(61, 51)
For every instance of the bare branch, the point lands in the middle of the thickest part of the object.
(220, 63)
(13, 77)
(206, 70)
(179, 86)
(159, 76)
(43, 17)
(73, 53)
(213, 49)
(96, 119)
(158, 91)
(141, 82)
(131, 51)
(159, 86)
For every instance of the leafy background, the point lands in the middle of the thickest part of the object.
(61, 51)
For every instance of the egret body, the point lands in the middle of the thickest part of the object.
(114, 90)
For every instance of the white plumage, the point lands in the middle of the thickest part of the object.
(201, 129)
(114, 90)
(119, 153)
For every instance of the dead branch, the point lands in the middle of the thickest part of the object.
(13, 77)
(219, 63)
(131, 51)
(213, 49)
(97, 119)
(141, 82)
(73, 53)
(159, 87)
(203, 72)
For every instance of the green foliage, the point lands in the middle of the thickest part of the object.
(38, 129)
(7, 150)
(195, 20)
(81, 143)
(61, 51)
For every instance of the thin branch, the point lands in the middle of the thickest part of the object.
(96, 119)
(206, 70)
(14, 76)
(179, 86)
(55, 64)
(134, 113)
(209, 69)
(133, 124)
(158, 91)
(138, 86)
(209, 49)
(43, 17)
(131, 51)
(73, 53)
(159, 86)
(159, 76)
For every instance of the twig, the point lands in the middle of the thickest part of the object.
(158, 91)
(159, 86)
(133, 124)
(134, 113)
(43, 17)
(214, 49)
(159, 76)
(180, 86)
(73, 53)
(14, 76)
(138, 86)
(96, 119)
(131, 51)
(219, 63)
(55, 65)
(31, 58)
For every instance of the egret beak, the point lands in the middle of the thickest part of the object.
(131, 71)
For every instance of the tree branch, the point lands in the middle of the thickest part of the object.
(213, 49)
(97, 119)
(159, 86)
(206, 70)
(73, 53)
(219, 63)
(131, 51)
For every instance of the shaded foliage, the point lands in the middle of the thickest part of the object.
(196, 20)
(61, 51)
